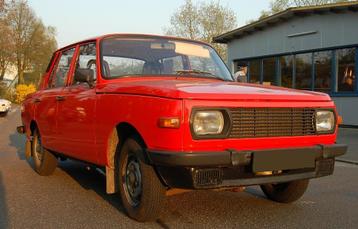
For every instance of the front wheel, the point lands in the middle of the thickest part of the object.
(285, 192)
(45, 162)
(142, 193)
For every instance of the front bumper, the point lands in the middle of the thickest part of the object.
(232, 168)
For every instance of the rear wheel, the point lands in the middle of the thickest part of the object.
(142, 193)
(45, 162)
(285, 192)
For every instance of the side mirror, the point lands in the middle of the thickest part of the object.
(84, 75)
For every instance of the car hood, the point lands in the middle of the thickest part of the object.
(205, 89)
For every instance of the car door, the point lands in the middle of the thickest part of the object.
(47, 100)
(76, 110)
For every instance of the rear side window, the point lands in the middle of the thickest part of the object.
(60, 71)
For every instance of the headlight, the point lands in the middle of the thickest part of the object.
(208, 123)
(325, 121)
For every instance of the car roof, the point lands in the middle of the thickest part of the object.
(131, 35)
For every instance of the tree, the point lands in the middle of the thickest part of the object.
(5, 41)
(42, 46)
(202, 21)
(216, 20)
(280, 5)
(2, 5)
(33, 41)
(185, 22)
(6, 48)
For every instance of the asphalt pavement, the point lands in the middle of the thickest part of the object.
(75, 197)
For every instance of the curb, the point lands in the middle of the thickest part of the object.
(347, 161)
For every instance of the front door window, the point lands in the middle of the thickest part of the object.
(87, 59)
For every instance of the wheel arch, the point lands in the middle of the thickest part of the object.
(126, 130)
(118, 135)
(33, 126)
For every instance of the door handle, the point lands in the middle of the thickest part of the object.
(60, 98)
(37, 100)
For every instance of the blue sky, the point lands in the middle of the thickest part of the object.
(80, 19)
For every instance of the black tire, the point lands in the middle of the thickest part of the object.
(285, 192)
(45, 162)
(141, 191)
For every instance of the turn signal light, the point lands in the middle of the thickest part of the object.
(339, 120)
(169, 123)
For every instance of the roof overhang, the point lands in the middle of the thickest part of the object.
(284, 16)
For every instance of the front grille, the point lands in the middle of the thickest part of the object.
(271, 122)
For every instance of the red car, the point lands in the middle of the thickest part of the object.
(159, 113)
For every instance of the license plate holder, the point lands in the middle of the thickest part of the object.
(283, 160)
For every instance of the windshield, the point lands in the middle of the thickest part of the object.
(160, 56)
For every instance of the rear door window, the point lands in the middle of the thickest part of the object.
(60, 71)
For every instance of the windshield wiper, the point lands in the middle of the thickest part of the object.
(198, 72)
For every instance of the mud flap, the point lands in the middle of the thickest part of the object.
(110, 168)
(28, 149)
(110, 181)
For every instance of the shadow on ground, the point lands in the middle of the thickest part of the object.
(3, 206)
(90, 179)
(255, 192)
(18, 141)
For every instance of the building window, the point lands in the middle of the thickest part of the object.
(346, 70)
(269, 71)
(304, 71)
(323, 71)
(239, 64)
(286, 65)
(255, 70)
(240, 71)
